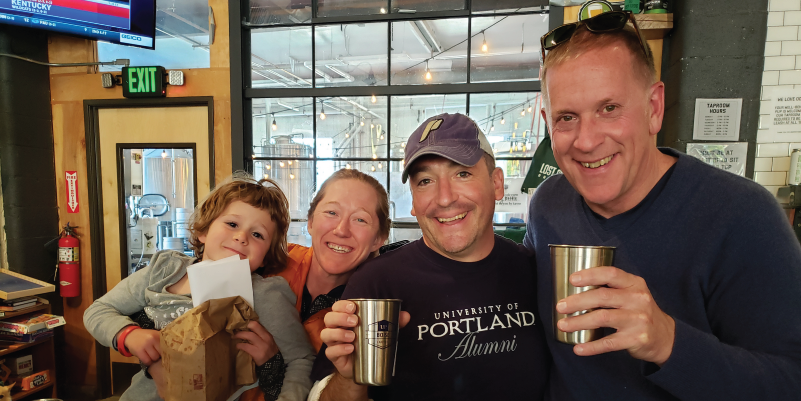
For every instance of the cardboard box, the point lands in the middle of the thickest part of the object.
(25, 338)
(199, 355)
(35, 380)
(21, 365)
(28, 324)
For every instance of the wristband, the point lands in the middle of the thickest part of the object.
(121, 340)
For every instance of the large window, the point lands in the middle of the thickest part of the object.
(343, 83)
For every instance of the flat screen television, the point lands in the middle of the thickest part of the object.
(127, 22)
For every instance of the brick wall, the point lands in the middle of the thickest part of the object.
(782, 71)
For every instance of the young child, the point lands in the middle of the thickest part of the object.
(240, 217)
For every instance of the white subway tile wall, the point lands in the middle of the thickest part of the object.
(771, 177)
(763, 164)
(782, 56)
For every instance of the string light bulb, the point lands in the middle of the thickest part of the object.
(383, 10)
(484, 47)
(503, 120)
(292, 176)
(164, 154)
(382, 136)
(372, 168)
(266, 176)
(529, 107)
(290, 162)
(523, 112)
(492, 127)
(362, 122)
(275, 126)
(347, 135)
(322, 111)
(269, 167)
(403, 145)
(373, 99)
(379, 165)
(428, 72)
(281, 164)
(347, 166)
(375, 156)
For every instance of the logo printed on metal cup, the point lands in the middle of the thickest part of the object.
(380, 334)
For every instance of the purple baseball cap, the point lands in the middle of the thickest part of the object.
(452, 136)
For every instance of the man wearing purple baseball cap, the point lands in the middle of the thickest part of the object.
(472, 331)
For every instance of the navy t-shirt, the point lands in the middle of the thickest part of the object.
(474, 334)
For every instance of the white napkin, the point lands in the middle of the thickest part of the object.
(220, 279)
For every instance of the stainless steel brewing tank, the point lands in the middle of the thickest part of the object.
(295, 179)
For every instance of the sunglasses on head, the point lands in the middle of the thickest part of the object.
(606, 22)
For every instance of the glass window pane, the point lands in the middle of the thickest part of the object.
(275, 12)
(409, 6)
(343, 8)
(375, 169)
(408, 112)
(511, 129)
(281, 57)
(506, 48)
(438, 47)
(351, 55)
(282, 127)
(296, 179)
(354, 127)
(506, 6)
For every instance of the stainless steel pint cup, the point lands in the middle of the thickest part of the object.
(566, 260)
(376, 340)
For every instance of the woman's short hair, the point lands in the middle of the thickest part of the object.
(381, 209)
(263, 194)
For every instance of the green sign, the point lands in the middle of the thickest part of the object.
(143, 82)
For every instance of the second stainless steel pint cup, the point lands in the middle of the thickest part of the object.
(376, 340)
(566, 260)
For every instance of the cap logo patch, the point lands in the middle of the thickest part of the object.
(431, 126)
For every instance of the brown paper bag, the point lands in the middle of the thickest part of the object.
(199, 354)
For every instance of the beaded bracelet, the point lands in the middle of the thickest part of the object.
(121, 340)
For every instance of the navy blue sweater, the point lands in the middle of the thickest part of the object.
(718, 255)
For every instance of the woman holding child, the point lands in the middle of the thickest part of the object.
(348, 222)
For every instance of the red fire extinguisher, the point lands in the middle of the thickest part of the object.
(68, 263)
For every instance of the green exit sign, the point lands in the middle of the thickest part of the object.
(143, 82)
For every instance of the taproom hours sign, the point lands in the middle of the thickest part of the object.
(717, 119)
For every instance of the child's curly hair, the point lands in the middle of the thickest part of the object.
(263, 194)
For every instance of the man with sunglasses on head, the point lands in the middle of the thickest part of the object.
(704, 300)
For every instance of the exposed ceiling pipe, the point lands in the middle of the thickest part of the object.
(344, 74)
(363, 108)
(422, 32)
(178, 36)
(281, 69)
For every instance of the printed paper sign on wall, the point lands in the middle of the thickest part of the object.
(785, 115)
(717, 119)
(72, 191)
(725, 156)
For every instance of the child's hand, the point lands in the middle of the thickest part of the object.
(144, 344)
(258, 342)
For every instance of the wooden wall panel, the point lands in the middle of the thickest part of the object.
(69, 87)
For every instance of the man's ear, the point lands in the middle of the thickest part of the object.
(656, 103)
(497, 183)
